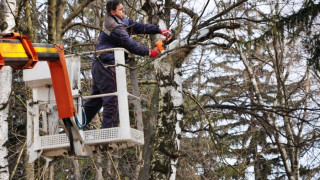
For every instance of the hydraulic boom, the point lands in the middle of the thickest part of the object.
(18, 52)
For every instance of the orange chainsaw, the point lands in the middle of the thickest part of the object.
(162, 44)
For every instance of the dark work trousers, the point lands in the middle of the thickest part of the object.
(104, 81)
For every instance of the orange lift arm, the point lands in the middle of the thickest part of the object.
(18, 52)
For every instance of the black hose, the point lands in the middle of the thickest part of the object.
(67, 122)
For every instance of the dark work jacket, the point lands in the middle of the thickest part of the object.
(116, 33)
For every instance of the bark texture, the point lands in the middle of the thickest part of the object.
(7, 23)
(5, 89)
(168, 131)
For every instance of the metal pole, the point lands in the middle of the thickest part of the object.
(122, 95)
(100, 95)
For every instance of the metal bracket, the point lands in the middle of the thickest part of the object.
(29, 49)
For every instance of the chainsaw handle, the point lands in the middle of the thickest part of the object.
(160, 45)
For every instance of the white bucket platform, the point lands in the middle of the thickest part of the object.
(43, 131)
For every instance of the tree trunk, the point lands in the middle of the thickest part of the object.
(76, 169)
(168, 127)
(99, 167)
(149, 133)
(7, 23)
(29, 167)
(29, 21)
(59, 18)
(167, 137)
(5, 89)
(52, 26)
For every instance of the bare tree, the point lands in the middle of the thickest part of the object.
(166, 151)
(260, 101)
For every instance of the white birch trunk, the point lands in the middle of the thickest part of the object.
(167, 136)
(166, 150)
(5, 89)
(8, 9)
(7, 23)
(167, 140)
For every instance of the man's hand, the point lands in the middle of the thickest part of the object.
(153, 53)
(165, 32)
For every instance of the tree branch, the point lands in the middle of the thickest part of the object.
(207, 22)
(184, 10)
(79, 24)
(76, 12)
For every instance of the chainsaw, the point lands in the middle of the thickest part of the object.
(162, 44)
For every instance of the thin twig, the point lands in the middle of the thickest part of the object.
(114, 166)
(18, 160)
(24, 104)
(212, 135)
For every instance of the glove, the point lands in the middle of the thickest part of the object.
(153, 53)
(165, 32)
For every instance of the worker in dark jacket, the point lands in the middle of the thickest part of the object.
(116, 33)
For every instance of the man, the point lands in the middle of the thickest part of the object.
(115, 33)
